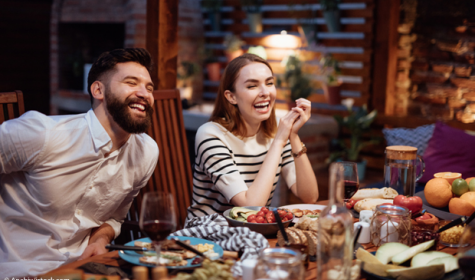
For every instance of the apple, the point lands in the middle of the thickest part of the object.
(471, 185)
(422, 259)
(413, 203)
(412, 251)
(388, 250)
(450, 263)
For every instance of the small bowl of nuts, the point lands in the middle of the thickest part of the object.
(450, 237)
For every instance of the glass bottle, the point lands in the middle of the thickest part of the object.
(335, 232)
(279, 264)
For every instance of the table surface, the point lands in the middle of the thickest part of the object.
(112, 258)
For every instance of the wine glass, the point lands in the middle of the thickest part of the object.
(279, 263)
(350, 177)
(466, 251)
(157, 218)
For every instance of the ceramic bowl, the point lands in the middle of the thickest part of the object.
(264, 229)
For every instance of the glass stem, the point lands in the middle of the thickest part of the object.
(158, 248)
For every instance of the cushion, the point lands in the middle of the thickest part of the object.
(417, 137)
(450, 150)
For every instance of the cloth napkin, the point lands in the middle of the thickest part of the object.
(215, 228)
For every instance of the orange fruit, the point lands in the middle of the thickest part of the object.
(461, 207)
(438, 192)
(449, 176)
(469, 196)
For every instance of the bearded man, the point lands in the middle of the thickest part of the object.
(67, 182)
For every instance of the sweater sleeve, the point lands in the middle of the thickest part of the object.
(214, 158)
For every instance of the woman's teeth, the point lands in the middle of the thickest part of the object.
(261, 105)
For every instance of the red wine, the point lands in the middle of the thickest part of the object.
(350, 188)
(158, 230)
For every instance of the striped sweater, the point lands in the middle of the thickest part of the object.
(226, 165)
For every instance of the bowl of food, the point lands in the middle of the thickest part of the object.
(258, 219)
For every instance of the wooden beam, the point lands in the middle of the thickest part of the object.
(162, 41)
(385, 55)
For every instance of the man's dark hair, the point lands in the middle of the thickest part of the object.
(108, 60)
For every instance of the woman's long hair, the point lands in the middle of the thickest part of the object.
(227, 114)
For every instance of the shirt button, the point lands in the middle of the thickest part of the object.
(90, 187)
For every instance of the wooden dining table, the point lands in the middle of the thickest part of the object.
(113, 259)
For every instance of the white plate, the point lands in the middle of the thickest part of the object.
(303, 207)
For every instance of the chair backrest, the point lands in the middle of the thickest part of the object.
(173, 171)
(11, 105)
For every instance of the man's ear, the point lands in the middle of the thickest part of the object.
(98, 90)
(231, 97)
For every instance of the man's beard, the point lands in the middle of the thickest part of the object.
(123, 117)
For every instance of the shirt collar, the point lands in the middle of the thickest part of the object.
(99, 134)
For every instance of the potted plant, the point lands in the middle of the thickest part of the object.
(213, 66)
(254, 15)
(331, 83)
(213, 11)
(233, 46)
(307, 27)
(356, 123)
(331, 13)
(186, 72)
(299, 82)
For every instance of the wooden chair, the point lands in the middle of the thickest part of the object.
(173, 171)
(11, 105)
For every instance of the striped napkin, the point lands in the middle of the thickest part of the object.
(215, 228)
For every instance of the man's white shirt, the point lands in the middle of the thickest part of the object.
(57, 182)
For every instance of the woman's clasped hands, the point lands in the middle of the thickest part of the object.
(293, 120)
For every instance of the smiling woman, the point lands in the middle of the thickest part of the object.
(242, 152)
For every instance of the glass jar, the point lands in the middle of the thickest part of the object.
(391, 223)
(279, 263)
(402, 168)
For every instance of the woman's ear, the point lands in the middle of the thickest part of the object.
(97, 90)
(231, 97)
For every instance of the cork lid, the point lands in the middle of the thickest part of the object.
(401, 152)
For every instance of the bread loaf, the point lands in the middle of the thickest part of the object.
(370, 203)
(387, 193)
(312, 242)
(305, 237)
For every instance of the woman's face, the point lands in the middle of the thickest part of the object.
(254, 94)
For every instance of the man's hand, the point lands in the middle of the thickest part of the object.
(94, 249)
(100, 237)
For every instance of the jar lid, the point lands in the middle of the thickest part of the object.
(393, 210)
(280, 255)
(401, 152)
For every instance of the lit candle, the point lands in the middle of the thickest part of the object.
(389, 232)
(278, 274)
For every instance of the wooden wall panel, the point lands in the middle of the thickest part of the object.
(353, 46)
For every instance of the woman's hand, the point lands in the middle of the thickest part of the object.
(303, 109)
(286, 125)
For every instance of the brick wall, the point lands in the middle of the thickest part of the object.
(133, 14)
